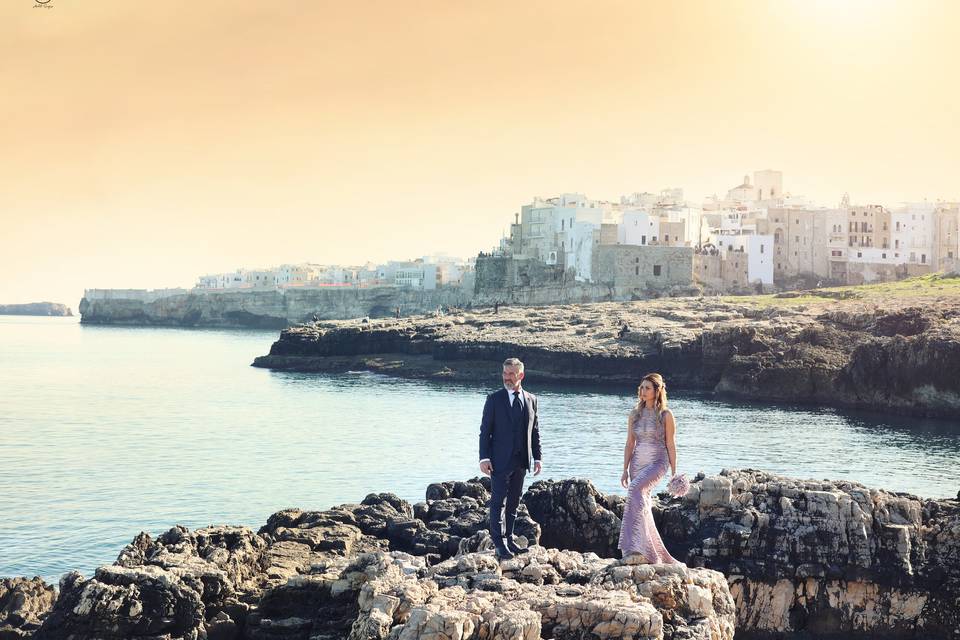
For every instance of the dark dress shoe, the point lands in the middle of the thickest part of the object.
(512, 546)
(502, 553)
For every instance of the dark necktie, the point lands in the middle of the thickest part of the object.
(517, 405)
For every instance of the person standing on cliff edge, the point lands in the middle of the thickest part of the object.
(509, 447)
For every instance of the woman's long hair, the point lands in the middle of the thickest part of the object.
(659, 394)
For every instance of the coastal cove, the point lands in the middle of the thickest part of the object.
(106, 431)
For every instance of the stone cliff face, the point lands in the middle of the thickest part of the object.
(899, 359)
(35, 309)
(265, 309)
(801, 559)
(831, 559)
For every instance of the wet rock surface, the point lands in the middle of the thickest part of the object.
(901, 356)
(766, 555)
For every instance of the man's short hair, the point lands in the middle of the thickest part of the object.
(513, 362)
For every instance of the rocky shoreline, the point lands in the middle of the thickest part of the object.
(766, 557)
(252, 309)
(899, 355)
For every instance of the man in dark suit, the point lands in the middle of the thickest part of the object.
(509, 447)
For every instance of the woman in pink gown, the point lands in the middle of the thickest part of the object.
(649, 453)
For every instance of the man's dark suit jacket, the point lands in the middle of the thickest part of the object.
(496, 430)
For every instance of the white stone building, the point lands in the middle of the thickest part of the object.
(756, 249)
(295, 275)
(579, 256)
(547, 225)
(912, 233)
(638, 227)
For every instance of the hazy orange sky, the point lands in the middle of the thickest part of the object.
(145, 143)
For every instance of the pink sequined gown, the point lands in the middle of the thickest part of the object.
(638, 533)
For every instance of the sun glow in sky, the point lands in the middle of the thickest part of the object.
(143, 144)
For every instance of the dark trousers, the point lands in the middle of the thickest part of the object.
(507, 486)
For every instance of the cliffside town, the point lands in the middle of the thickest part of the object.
(758, 238)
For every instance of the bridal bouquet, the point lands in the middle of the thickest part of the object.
(678, 485)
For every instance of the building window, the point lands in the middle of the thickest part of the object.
(923, 258)
(637, 260)
(859, 254)
(636, 271)
(761, 248)
(643, 239)
(656, 270)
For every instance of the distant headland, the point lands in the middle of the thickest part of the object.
(35, 309)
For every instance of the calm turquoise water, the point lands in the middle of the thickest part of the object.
(105, 432)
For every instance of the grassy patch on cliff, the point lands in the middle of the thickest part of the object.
(931, 286)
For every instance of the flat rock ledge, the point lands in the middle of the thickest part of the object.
(769, 556)
(901, 357)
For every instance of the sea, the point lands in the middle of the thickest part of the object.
(109, 431)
